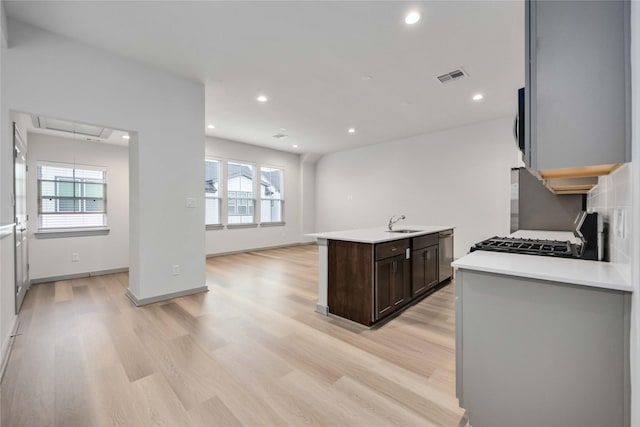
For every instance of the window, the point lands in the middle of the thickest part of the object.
(240, 193)
(271, 198)
(212, 192)
(71, 196)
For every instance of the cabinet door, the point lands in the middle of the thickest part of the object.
(385, 270)
(392, 284)
(424, 269)
(578, 83)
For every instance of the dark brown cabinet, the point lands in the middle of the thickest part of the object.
(424, 263)
(391, 284)
(368, 282)
(424, 269)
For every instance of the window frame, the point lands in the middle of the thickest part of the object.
(220, 192)
(77, 229)
(281, 199)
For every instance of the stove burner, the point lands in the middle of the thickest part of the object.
(515, 245)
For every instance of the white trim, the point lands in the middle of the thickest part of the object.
(70, 232)
(273, 224)
(242, 225)
(150, 300)
(263, 248)
(70, 165)
(51, 279)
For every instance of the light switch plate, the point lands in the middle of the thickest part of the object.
(191, 202)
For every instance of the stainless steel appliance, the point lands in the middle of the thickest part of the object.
(445, 252)
(557, 248)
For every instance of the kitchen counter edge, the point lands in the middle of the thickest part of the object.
(379, 234)
(564, 270)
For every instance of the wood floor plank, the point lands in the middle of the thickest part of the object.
(250, 352)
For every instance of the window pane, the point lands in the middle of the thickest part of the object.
(240, 178)
(212, 192)
(211, 177)
(93, 205)
(47, 188)
(240, 182)
(271, 183)
(91, 190)
(271, 211)
(64, 189)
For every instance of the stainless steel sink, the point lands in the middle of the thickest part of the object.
(403, 231)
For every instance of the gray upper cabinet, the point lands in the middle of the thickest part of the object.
(577, 83)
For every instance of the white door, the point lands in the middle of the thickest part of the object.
(20, 215)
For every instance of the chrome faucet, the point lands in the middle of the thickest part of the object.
(393, 221)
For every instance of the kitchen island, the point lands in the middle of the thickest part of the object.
(541, 340)
(366, 275)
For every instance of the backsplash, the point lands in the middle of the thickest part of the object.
(611, 198)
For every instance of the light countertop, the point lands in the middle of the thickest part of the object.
(379, 234)
(565, 270)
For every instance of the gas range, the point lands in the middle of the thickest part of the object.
(557, 248)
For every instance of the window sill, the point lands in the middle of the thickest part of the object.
(214, 227)
(251, 225)
(272, 224)
(70, 232)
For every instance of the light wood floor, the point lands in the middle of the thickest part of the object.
(250, 352)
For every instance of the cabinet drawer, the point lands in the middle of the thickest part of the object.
(397, 247)
(424, 241)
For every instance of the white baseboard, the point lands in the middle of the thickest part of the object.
(150, 300)
(262, 248)
(78, 275)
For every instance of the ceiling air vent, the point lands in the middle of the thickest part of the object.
(280, 135)
(452, 75)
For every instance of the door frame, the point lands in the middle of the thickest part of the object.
(19, 143)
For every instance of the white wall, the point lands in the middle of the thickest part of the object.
(458, 177)
(308, 196)
(51, 257)
(53, 76)
(239, 239)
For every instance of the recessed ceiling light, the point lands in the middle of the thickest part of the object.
(412, 18)
(125, 136)
(211, 127)
(295, 145)
(262, 98)
(365, 78)
(351, 130)
(477, 97)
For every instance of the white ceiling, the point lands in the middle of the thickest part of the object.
(310, 58)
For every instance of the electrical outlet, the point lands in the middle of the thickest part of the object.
(75, 257)
(175, 270)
